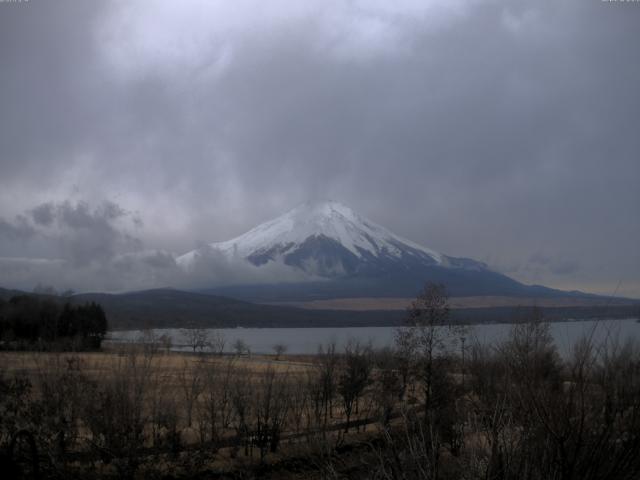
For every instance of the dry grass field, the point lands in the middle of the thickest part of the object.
(399, 303)
(217, 413)
(168, 365)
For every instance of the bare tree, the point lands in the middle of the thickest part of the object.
(165, 342)
(60, 383)
(300, 400)
(216, 408)
(547, 417)
(197, 338)
(406, 358)
(217, 342)
(271, 405)
(150, 341)
(240, 347)
(389, 385)
(279, 349)
(241, 399)
(163, 412)
(327, 364)
(429, 335)
(314, 407)
(115, 413)
(190, 380)
(355, 376)
(424, 346)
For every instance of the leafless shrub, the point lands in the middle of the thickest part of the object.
(166, 433)
(15, 398)
(327, 365)
(240, 347)
(217, 342)
(314, 407)
(151, 343)
(216, 408)
(58, 407)
(279, 349)
(543, 417)
(271, 405)
(191, 384)
(408, 452)
(165, 342)
(115, 415)
(241, 400)
(299, 398)
(355, 377)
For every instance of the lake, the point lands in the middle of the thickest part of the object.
(307, 340)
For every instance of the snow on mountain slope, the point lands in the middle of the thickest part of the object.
(327, 239)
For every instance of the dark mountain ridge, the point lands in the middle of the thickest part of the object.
(169, 308)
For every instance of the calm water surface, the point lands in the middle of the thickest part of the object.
(307, 340)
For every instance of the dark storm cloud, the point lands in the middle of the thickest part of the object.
(43, 214)
(73, 231)
(494, 130)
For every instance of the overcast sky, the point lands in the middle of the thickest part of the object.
(505, 131)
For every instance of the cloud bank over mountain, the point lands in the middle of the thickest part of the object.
(80, 247)
(502, 131)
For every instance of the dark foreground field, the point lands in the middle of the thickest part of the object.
(418, 411)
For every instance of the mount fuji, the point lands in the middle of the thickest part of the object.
(337, 253)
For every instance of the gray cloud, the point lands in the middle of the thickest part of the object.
(490, 129)
(43, 214)
(540, 265)
(18, 230)
(138, 270)
(92, 248)
(74, 232)
(565, 268)
(215, 268)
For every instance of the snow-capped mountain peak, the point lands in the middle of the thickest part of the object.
(326, 250)
(325, 239)
(329, 219)
(304, 235)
